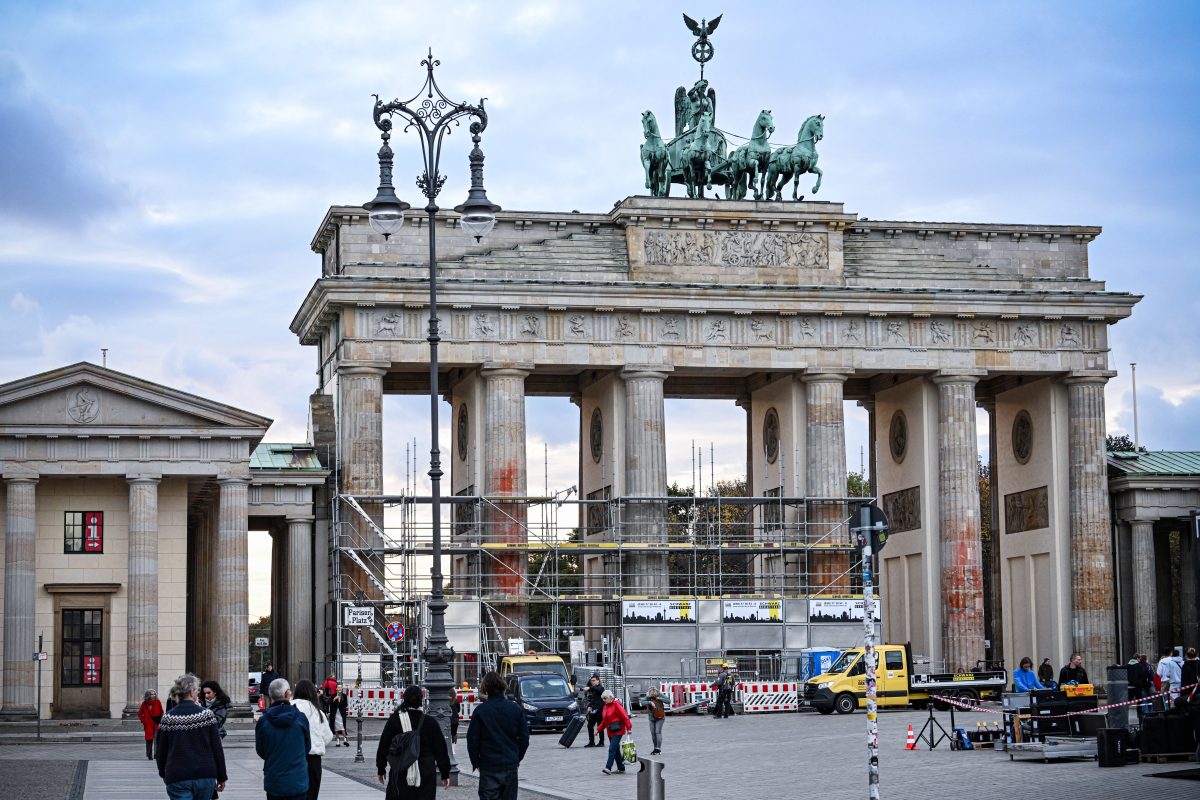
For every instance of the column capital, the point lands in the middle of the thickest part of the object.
(646, 372)
(143, 479)
(363, 368)
(11, 478)
(821, 375)
(505, 369)
(233, 480)
(1099, 377)
(300, 518)
(971, 376)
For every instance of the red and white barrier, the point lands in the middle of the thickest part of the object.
(759, 696)
(683, 693)
(379, 703)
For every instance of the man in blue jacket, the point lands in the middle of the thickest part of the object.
(496, 741)
(281, 739)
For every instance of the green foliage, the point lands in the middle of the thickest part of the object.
(1121, 444)
(857, 485)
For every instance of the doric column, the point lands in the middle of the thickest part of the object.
(360, 415)
(20, 539)
(825, 456)
(1093, 624)
(872, 483)
(230, 604)
(958, 518)
(993, 626)
(505, 475)
(300, 593)
(645, 476)
(142, 588)
(1145, 587)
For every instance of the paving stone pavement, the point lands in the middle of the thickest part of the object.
(750, 756)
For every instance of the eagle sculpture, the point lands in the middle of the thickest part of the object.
(700, 28)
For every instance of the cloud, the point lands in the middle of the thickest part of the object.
(1162, 424)
(49, 170)
(22, 304)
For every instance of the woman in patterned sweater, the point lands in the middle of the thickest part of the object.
(190, 759)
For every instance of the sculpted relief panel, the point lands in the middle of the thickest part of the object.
(737, 249)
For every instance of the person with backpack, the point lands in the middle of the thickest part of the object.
(724, 686)
(306, 700)
(413, 749)
(658, 716)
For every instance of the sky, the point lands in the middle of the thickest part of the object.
(164, 166)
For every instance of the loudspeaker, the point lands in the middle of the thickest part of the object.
(1110, 747)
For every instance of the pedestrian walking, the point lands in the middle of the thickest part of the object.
(455, 715)
(416, 781)
(497, 739)
(329, 686)
(594, 696)
(190, 758)
(306, 700)
(337, 718)
(216, 701)
(658, 716)
(282, 741)
(616, 724)
(1141, 682)
(269, 676)
(150, 712)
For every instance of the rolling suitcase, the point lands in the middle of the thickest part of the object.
(573, 729)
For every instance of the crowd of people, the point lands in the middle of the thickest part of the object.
(1168, 683)
(185, 737)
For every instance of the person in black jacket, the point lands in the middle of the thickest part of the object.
(190, 758)
(435, 757)
(1073, 672)
(216, 701)
(1141, 681)
(497, 739)
(595, 703)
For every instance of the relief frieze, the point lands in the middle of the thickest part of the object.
(745, 249)
(903, 509)
(1027, 511)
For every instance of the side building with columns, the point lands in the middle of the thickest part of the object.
(123, 526)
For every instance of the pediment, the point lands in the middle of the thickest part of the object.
(87, 397)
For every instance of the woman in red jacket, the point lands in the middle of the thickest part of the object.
(615, 722)
(149, 713)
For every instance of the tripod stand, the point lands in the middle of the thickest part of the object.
(932, 731)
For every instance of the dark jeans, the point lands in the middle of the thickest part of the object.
(498, 785)
(614, 753)
(724, 705)
(150, 748)
(594, 728)
(198, 789)
(284, 796)
(314, 776)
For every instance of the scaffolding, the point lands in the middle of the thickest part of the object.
(543, 569)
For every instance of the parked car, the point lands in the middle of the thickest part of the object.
(253, 691)
(546, 697)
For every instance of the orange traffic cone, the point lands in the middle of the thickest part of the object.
(911, 744)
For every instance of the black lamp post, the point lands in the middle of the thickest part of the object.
(431, 113)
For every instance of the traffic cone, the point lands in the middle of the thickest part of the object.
(911, 744)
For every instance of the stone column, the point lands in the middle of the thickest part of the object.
(993, 598)
(1145, 587)
(360, 454)
(300, 594)
(872, 483)
(230, 603)
(825, 454)
(958, 518)
(505, 475)
(645, 476)
(1093, 625)
(142, 589)
(20, 640)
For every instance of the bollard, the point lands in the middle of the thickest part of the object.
(650, 784)
(1118, 692)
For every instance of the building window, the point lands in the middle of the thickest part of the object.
(83, 532)
(82, 646)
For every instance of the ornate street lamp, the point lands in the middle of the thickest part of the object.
(432, 115)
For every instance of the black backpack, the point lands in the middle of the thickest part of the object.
(405, 748)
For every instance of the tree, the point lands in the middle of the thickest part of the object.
(259, 655)
(857, 485)
(1121, 444)
(705, 522)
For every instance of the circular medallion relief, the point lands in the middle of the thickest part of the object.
(83, 404)
(597, 435)
(461, 432)
(1022, 437)
(898, 436)
(771, 435)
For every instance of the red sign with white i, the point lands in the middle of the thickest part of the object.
(93, 532)
(91, 670)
